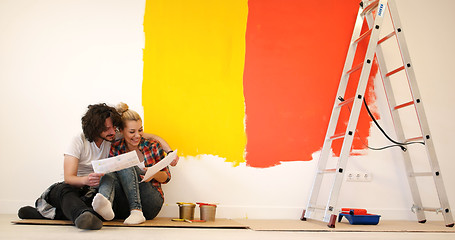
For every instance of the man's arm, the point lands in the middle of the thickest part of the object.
(70, 166)
(163, 143)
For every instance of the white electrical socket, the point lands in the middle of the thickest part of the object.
(358, 177)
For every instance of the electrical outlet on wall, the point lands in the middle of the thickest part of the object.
(358, 177)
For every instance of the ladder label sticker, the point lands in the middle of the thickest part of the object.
(381, 10)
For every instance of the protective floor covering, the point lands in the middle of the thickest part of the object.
(157, 222)
(316, 226)
(273, 225)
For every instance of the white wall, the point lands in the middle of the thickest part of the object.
(58, 56)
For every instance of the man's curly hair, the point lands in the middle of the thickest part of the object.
(94, 119)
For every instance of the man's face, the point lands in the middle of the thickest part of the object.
(109, 133)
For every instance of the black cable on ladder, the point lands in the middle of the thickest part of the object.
(397, 144)
(376, 149)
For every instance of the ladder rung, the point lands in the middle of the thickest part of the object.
(386, 37)
(403, 105)
(370, 7)
(366, 34)
(330, 170)
(336, 136)
(394, 71)
(345, 102)
(414, 139)
(317, 207)
(422, 174)
(428, 209)
(355, 68)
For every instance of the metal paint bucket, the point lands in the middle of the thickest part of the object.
(207, 211)
(186, 210)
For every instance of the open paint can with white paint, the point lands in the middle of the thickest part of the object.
(207, 211)
(186, 210)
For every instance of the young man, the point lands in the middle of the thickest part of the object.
(72, 198)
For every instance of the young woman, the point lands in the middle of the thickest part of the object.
(144, 199)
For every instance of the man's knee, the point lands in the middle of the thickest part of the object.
(61, 189)
(151, 210)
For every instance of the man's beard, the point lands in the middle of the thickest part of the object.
(106, 138)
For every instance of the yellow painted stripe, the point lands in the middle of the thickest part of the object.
(193, 70)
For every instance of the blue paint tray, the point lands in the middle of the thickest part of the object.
(367, 219)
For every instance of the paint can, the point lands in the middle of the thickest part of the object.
(186, 210)
(207, 211)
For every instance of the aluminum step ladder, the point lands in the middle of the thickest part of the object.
(373, 12)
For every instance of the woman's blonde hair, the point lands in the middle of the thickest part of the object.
(127, 114)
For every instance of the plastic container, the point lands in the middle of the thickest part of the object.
(186, 210)
(367, 219)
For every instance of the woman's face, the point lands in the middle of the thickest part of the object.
(132, 132)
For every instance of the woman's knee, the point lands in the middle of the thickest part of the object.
(108, 177)
(128, 174)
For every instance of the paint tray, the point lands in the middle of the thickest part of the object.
(367, 219)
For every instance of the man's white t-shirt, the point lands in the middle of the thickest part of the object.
(87, 151)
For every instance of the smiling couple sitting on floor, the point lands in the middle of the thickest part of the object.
(87, 198)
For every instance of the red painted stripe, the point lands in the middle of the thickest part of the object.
(295, 52)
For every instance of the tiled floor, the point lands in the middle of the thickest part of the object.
(47, 232)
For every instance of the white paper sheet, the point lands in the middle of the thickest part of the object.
(116, 163)
(160, 165)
